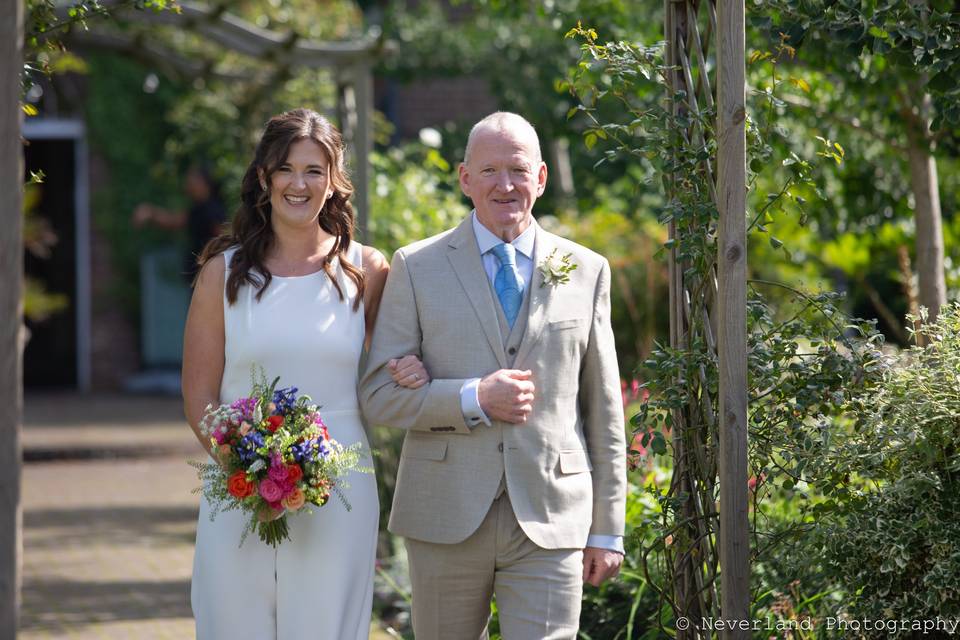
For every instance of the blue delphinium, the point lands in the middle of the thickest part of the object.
(322, 449)
(310, 450)
(248, 445)
(284, 399)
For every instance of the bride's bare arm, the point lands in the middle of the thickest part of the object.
(407, 371)
(375, 270)
(203, 341)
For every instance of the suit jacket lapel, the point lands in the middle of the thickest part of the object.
(464, 257)
(541, 298)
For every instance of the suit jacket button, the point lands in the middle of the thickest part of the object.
(512, 351)
(500, 447)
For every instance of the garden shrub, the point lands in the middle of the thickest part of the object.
(890, 536)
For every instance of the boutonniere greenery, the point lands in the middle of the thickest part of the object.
(556, 269)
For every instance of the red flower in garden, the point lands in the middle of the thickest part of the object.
(754, 481)
(239, 486)
(274, 423)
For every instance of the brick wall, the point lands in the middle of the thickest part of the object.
(432, 103)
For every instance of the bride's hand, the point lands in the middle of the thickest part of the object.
(408, 372)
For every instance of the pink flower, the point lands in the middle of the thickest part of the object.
(278, 473)
(270, 491)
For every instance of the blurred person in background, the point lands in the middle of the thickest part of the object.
(203, 220)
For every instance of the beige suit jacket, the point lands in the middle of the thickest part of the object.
(565, 468)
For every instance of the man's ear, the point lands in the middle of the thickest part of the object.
(541, 179)
(464, 180)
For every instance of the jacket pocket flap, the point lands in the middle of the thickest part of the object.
(574, 461)
(566, 324)
(425, 449)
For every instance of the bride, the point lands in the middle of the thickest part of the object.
(288, 290)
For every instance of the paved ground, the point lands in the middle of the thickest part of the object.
(109, 518)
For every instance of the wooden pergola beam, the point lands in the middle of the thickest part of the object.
(351, 61)
(243, 37)
(154, 53)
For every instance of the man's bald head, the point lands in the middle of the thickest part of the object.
(508, 123)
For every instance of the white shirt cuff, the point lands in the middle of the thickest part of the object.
(473, 415)
(610, 543)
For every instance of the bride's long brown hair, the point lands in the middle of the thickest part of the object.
(251, 230)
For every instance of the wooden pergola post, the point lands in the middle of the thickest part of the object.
(11, 284)
(363, 145)
(708, 313)
(732, 338)
(355, 119)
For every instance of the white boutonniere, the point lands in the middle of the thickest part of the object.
(556, 269)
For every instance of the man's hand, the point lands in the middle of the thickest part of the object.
(408, 372)
(600, 565)
(507, 395)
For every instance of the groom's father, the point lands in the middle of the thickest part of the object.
(512, 479)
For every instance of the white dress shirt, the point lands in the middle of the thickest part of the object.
(469, 392)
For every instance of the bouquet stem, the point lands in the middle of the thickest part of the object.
(275, 531)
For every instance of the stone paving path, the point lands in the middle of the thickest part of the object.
(108, 519)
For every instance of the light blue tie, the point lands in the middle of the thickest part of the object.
(507, 283)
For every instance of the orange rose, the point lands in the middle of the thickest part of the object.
(294, 500)
(238, 485)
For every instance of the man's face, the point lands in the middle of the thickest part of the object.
(503, 177)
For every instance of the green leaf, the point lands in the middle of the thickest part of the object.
(658, 444)
(590, 139)
(943, 82)
(776, 243)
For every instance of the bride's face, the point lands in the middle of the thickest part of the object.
(301, 185)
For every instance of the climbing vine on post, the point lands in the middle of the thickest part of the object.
(655, 106)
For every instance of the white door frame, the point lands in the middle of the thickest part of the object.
(75, 130)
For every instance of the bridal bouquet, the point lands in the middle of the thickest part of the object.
(275, 456)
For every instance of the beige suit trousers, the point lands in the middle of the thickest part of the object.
(538, 590)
